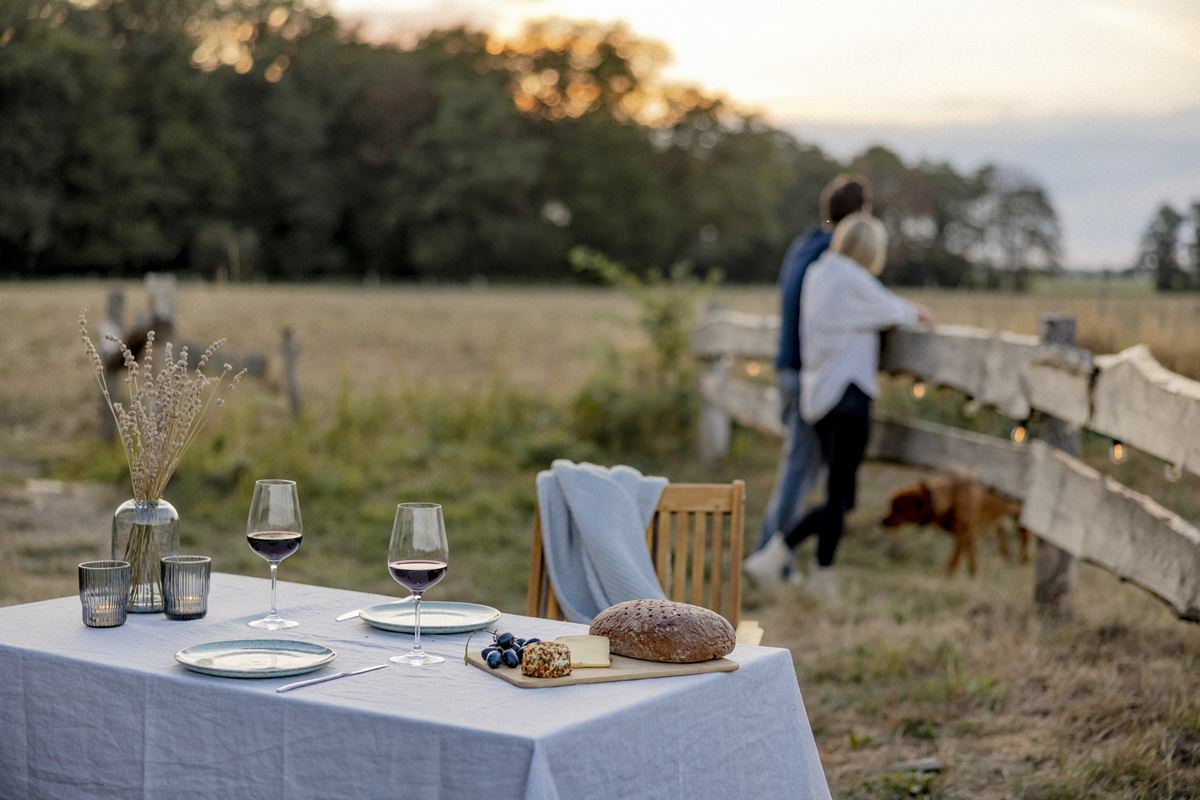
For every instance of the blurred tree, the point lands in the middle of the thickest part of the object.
(728, 173)
(904, 200)
(288, 187)
(389, 108)
(604, 188)
(1018, 228)
(1194, 247)
(805, 170)
(563, 69)
(36, 81)
(263, 137)
(465, 183)
(953, 231)
(1160, 250)
(185, 159)
(75, 196)
(583, 88)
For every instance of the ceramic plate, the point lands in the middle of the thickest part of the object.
(436, 616)
(255, 658)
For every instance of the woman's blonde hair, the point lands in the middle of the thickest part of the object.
(862, 238)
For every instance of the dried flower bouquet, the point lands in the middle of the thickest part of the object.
(165, 411)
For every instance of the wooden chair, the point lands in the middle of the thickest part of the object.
(695, 542)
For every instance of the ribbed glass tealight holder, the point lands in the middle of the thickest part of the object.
(185, 586)
(104, 593)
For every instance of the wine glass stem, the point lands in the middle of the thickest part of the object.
(417, 632)
(274, 569)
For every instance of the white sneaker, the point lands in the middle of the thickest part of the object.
(766, 565)
(824, 583)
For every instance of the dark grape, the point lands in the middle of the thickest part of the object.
(504, 640)
(530, 641)
(494, 659)
(519, 642)
(487, 651)
(511, 659)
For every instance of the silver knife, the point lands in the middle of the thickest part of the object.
(333, 677)
(357, 611)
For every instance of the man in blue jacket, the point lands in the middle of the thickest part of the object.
(800, 460)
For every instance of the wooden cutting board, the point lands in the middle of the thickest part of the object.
(622, 669)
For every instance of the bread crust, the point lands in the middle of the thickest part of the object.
(665, 631)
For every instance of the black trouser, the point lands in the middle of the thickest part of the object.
(843, 433)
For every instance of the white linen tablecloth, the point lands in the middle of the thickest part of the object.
(108, 713)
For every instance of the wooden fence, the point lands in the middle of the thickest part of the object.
(160, 315)
(1075, 511)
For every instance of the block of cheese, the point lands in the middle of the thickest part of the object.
(546, 660)
(587, 651)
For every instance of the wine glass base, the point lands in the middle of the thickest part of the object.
(417, 658)
(273, 623)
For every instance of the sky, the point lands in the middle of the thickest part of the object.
(1099, 100)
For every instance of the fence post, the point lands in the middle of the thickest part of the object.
(1054, 568)
(160, 291)
(715, 426)
(290, 356)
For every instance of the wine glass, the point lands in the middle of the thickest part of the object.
(417, 559)
(274, 531)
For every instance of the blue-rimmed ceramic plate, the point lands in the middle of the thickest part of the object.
(436, 616)
(255, 658)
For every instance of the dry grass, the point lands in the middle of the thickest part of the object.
(366, 340)
(912, 664)
(1169, 325)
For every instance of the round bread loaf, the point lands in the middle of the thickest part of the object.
(662, 630)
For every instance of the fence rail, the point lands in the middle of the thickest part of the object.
(1127, 396)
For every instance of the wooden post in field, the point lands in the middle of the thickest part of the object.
(716, 427)
(290, 355)
(1054, 568)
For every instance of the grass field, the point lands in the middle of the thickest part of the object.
(461, 395)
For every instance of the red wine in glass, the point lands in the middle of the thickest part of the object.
(274, 531)
(417, 576)
(274, 546)
(417, 558)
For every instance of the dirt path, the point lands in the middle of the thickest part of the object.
(46, 529)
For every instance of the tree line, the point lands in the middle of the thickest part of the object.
(1172, 260)
(250, 139)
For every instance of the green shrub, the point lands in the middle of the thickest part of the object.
(644, 401)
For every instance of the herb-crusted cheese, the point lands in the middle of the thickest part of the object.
(546, 660)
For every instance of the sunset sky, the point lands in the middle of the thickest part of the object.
(1097, 99)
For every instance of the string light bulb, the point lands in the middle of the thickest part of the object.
(1117, 453)
(1172, 473)
(753, 368)
(918, 389)
(1020, 432)
(970, 408)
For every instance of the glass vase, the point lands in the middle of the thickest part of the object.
(143, 531)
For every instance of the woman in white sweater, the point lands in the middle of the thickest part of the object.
(844, 307)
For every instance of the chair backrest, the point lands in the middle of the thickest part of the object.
(695, 543)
